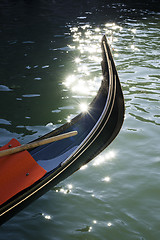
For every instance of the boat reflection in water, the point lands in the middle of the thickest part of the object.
(97, 126)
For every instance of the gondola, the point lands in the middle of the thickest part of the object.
(53, 162)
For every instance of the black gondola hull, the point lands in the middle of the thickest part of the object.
(108, 108)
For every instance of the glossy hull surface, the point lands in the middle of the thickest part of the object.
(96, 128)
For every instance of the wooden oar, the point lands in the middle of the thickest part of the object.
(36, 143)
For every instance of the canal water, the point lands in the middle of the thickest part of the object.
(49, 72)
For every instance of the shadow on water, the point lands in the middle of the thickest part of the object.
(53, 10)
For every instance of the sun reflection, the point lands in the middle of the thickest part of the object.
(113, 26)
(66, 190)
(88, 33)
(83, 68)
(107, 179)
(110, 155)
(83, 107)
(99, 160)
(108, 24)
(74, 29)
(90, 48)
(81, 88)
(69, 119)
(95, 58)
(71, 47)
(98, 38)
(86, 43)
(133, 30)
(97, 30)
(48, 217)
(70, 186)
(133, 47)
(85, 26)
(83, 167)
(116, 55)
(103, 157)
(109, 224)
(69, 80)
(63, 191)
(77, 60)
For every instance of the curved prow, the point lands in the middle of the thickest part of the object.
(111, 118)
(110, 74)
(96, 129)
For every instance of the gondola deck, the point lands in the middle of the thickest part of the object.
(96, 130)
(21, 171)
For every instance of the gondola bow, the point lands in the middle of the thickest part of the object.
(96, 129)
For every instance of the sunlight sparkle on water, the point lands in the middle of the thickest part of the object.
(97, 37)
(90, 48)
(70, 186)
(69, 80)
(109, 24)
(63, 191)
(107, 179)
(84, 107)
(133, 30)
(74, 29)
(133, 47)
(83, 68)
(81, 88)
(110, 155)
(99, 160)
(83, 167)
(71, 47)
(85, 26)
(86, 40)
(90, 229)
(69, 119)
(109, 224)
(97, 30)
(95, 59)
(88, 33)
(103, 157)
(113, 26)
(77, 60)
(116, 55)
(48, 217)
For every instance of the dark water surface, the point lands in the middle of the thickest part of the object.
(49, 71)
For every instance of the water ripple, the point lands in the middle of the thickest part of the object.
(116, 196)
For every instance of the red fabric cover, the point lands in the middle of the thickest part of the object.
(17, 172)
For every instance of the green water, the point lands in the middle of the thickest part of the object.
(49, 68)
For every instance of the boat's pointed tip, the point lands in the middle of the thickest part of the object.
(104, 37)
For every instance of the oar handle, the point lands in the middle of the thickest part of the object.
(36, 143)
